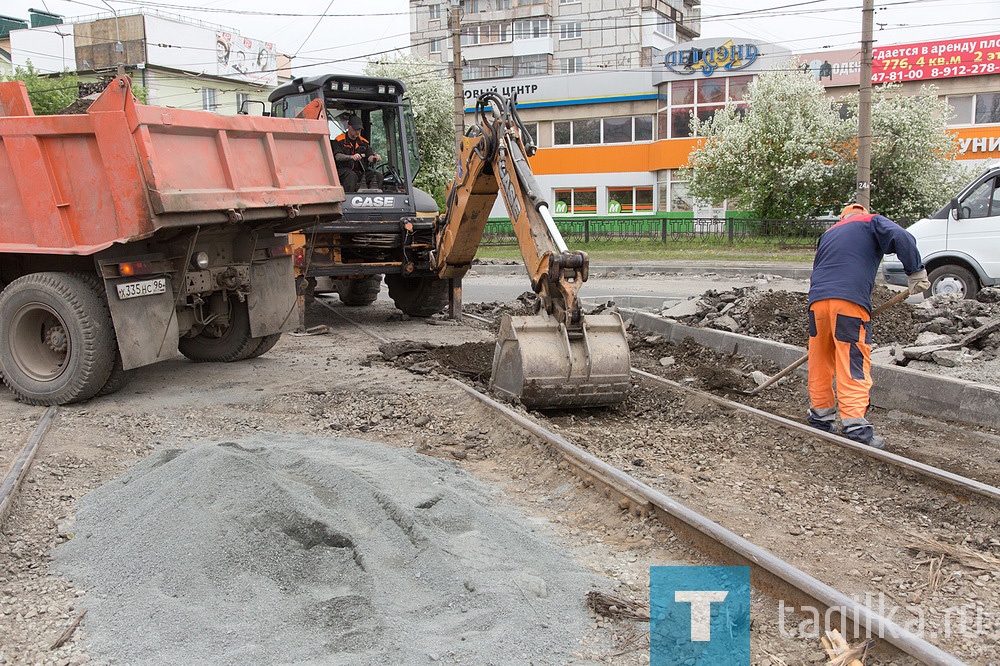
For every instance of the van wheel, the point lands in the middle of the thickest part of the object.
(57, 342)
(954, 280)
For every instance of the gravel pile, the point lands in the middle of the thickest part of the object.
(303, 550)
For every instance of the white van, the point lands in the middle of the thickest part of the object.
(959, 244)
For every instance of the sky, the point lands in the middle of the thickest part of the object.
(330, 36)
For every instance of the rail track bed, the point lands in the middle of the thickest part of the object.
(858, 525)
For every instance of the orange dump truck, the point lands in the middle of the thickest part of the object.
(131, 232)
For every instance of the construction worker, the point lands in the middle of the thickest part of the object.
(840, 288)
(355, 158)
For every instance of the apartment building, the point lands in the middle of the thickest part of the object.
(505, 39)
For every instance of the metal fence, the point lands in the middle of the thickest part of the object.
(781, 233)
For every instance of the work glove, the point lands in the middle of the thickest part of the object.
(918, 282)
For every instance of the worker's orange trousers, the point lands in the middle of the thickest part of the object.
(840, 347)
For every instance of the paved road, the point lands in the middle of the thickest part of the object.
(643, 289)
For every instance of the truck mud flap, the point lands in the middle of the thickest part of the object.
(272, 297)
(146, 325)
(538, 364)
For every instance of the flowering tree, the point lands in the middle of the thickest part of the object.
(793, 152)
(430, 92)
(913, 156)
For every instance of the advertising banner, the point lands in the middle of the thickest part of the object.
(945, 59)
(244, 58)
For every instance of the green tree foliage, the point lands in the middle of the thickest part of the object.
(430, 92)
(48, 94)
(794, 152)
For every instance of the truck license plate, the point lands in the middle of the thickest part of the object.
(143, 288)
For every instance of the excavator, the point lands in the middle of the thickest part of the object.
(557, 358)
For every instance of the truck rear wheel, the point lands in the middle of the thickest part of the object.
(418, 296)
(57, 341)
(218, 343)
(359, 291)
(266, 343)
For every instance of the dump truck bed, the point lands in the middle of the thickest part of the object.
(78, 184)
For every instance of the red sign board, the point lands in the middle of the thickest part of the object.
(946, 59)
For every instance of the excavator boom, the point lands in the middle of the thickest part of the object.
(557, 358)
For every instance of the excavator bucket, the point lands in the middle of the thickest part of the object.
(544, 366)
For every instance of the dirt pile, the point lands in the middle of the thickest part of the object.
(781, 315)
(952, 331)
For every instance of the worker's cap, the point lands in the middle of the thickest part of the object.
(355, 122)
(853, 209)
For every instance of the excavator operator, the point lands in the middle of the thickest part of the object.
(355, 158)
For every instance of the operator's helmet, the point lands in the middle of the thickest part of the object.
(853, 209)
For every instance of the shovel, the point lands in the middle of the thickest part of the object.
(898, 298)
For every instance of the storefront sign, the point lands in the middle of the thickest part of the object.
(729, 57)
(833, 68)
(944, 59)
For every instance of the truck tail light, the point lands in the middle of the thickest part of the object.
(279, 251)
(300, 257)
(130, 268)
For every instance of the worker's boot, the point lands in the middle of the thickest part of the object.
(822, 419)
(861, 430)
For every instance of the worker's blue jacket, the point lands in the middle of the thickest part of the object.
(849, 253)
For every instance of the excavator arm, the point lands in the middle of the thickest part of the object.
(557, 358)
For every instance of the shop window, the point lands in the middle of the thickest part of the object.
(532, 130)
(738, 86)
(680, 122)
(562, 133)
(643, 128)
(682, 92)
(711, 91)
(987, 108)
(576, 201)
(630, 200)
(980, 109)
(618, 130)
(587, 131)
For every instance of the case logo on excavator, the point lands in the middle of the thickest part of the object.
(513, 203)
(373, 202)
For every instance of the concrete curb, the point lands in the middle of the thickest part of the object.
(795, 272)
(895, 387)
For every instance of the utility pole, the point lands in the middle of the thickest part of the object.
(865, 106)
(454, 19)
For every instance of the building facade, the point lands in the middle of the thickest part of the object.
(181, 62)
(507, 39)
(612, 139)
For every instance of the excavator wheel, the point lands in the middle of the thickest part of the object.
(418, 296)
(359, 291)
(538, 363)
